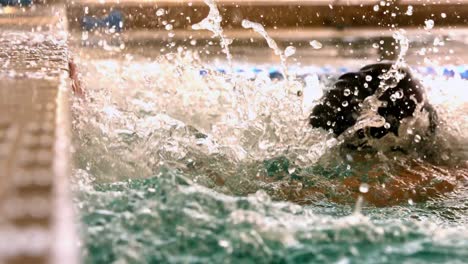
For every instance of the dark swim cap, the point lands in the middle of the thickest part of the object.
(340, 107)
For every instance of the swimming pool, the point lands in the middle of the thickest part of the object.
(183, 159)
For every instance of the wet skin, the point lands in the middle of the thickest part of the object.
(388, 184)
(75, 80)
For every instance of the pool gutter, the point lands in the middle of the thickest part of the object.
(36, 213)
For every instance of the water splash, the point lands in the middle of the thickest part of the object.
(213, 23)
(161, 133)
(289, 51)
(393, 76)
(429, 24)
(257, 27)
(156, 108)
(402, 40)
(146, 115)
(369, 117)
(316, 44)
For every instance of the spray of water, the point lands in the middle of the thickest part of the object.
(369, 117)
(147, 115)
(392, 77)
(257, 27)
(213, 23)
(165, 112)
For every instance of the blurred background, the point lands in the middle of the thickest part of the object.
(345, 29)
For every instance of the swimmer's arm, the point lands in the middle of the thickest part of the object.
(416, 182)
(75, 79)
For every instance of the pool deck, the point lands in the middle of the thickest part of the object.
(36, 218)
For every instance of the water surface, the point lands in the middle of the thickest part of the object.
(175, 165)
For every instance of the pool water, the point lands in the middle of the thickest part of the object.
(179, 165)
(168, 219)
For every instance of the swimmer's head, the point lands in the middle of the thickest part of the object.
(340, 107)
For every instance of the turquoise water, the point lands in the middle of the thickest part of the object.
(173, 167)
(169, 219)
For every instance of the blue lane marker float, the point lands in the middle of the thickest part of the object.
(275, 73)
(449, 73)
(203, 72)
(16, 2)
(464, 75)
(342, 70)
(428, 71)
(115, 20)
(256, 70)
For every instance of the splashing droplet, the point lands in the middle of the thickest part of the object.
(316, 44)
(409, 11)
(160, 12)
(364, 188)
(291, 170)
(428, 24)
(213, 23)
(84, 35)
(417, 138)
(289, 51)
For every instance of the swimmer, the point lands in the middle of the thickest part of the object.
(384, 110)
(365, 110)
